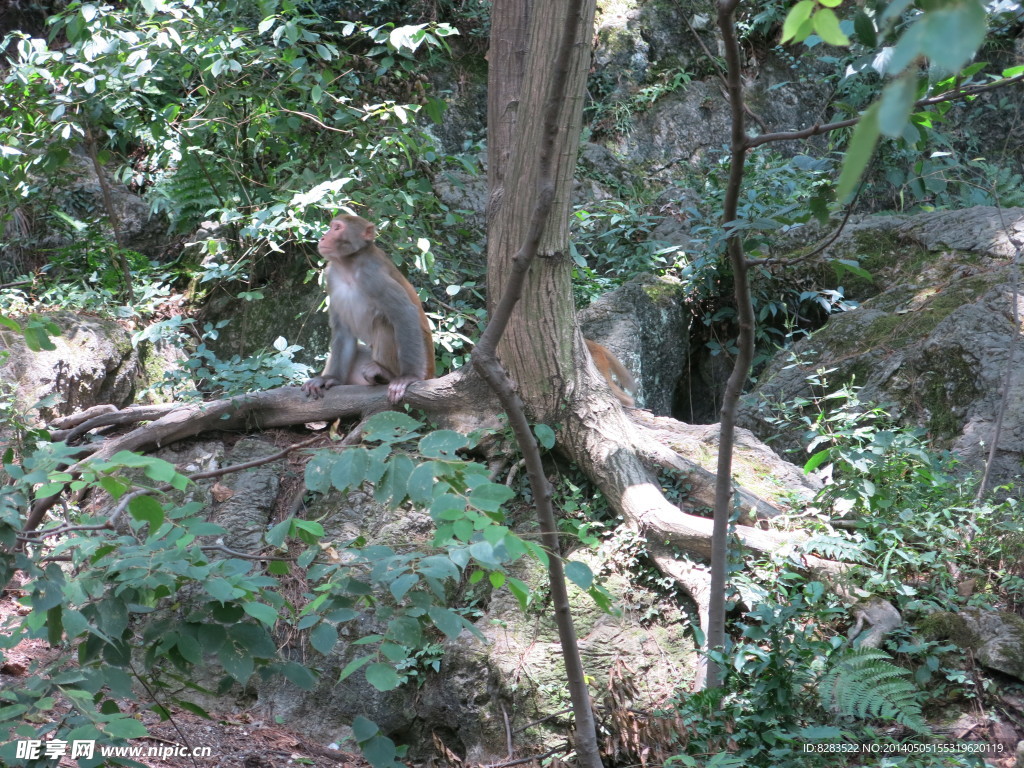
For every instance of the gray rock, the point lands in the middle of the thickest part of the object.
(645, 324)
(935, 344)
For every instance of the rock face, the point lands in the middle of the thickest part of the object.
(937, 342)
(94, 362)
(995, 637)
(645, 324)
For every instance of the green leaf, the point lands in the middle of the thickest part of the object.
(383, 677)
(405, 630)
(317, 476)
(394, 487)
(865, 29)
(353, 666)
(579, 574)
(858, 153)
(54, 626)
(276, 535)
(545, 436)
(953, 33)
(125, 728)
(816, 460)
(442, 444)
(520, 591)
(421, 483)
(490, 496)
(298, 674)
(239, 665)
(446, 620)
(797, 15)
(349, 471)
(324, 637)
(390, 427)
(380, 751)
(403, 584)
(364, 729)
(261, 612)
(220, 589)
(826, 24)
(146, 509)
(896, 104)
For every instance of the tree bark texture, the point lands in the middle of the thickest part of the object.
(537, 347)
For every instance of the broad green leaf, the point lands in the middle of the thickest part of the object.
(125, 728)
(816, 460)
(324, 637)
(896, 104)
(446, 620)
(579, 574)
(865, 29)
(220, 589)
(146, 509)
(298, 674)
(318, 477)
(349, 470)
(239, 665)
(405, 630)
(907, 48)
(545, 436)
(364, 729)
(497, 579)
(261, 612)
(447, 506)
(400, 586)
(276, 535)
(858, 153)
(797, 15)
(421, 483)
(442, 444)
(390, 427)
(394, 487)
(520, 591)
(826, 24)
(379, 751)
(353, 666)
(490, 496)
(953, 33)
(383, 677)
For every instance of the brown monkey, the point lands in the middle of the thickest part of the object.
(612, 369)
(370, 300)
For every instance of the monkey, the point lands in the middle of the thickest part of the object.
(371, 301)
(612, 369)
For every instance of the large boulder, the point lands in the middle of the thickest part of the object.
(936, 343)
(645, 324)
(93, 362)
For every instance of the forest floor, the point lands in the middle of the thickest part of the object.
(226, 740)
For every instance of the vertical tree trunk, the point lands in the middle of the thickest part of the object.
(537, 347)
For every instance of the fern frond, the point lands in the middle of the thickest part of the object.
(838, 546)
(864, 683)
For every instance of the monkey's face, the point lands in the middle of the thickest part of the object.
(344, 236)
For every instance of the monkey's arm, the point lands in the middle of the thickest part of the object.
(340, 359)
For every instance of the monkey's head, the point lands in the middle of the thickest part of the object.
(346, 235)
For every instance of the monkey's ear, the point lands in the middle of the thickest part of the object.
(370, 234)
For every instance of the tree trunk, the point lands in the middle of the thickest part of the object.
(537, 348)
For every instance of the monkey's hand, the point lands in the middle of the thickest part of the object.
(316, 386)
(397, 387)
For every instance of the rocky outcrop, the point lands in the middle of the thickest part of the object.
(935, 344)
